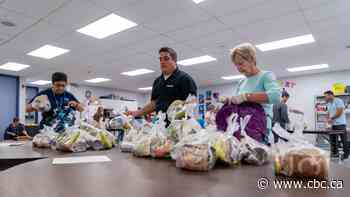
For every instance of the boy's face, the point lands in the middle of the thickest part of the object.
(59, 87)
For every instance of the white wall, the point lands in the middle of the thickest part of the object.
(303, 93)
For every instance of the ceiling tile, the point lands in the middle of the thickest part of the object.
(21, 22)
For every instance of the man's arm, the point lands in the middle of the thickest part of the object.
(147, 109)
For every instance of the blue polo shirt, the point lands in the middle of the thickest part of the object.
(332, 109)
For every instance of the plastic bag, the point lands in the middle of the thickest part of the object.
(176, 110)
(120, 122)
(195, 152)
(142, 147)
(225, 144)
(160, 144)
(98, 139)
(71, 140)
(256, 128)
(128, 143)
(178, 129)
(45, 138)
(298, 158)
(41, 103)
(251, 151)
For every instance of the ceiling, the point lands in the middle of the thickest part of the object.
(209, 28)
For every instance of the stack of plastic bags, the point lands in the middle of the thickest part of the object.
(75, 139)
(45, 138)
(298, 158)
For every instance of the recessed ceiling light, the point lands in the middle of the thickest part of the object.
(196, 60)
(97, 80)
(289, 42)
(233, 77)
(13, 66)
(141, 71)
(48, 52)
(198, 1)
(107, 26)
(146, 88)
(41, 82)
(306, 68)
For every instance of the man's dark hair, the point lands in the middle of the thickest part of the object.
(58, 76)
(171, 52)
(16, 119)
(329, 92)
(285, 94)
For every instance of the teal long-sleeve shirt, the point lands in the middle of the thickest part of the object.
(264, 81)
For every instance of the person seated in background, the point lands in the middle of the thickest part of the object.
(280, 115)
(16, 131)
(62, 106)
(98, 118)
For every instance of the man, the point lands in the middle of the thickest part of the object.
(336, 118)
(63, 104)
(16, 131)
(280, 111)
(172, 85)
(280, 115)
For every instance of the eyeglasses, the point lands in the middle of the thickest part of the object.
(164, 58)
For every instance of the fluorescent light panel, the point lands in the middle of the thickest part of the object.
(137, 72)
(196, 60)
(146, 88)
(107, 26)
(41, 82)
(198, 1)
(306, 68)
(48, 52)
(13, 66)
(289, 42)
(97, 80)
(233, 77)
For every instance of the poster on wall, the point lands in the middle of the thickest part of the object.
(200, 98)
(216, 96)
(208, 95)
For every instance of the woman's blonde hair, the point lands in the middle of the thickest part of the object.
(246, 50)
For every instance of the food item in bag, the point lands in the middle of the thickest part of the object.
(161, 147)
(71, 142)
(226, 148)
(176, 110)
(45, 138)
(41, 103)
(142, 147)
(197, 157)
(303, 162)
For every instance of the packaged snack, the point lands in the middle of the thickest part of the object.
(71, 141)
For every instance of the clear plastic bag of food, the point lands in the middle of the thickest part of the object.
(72, 140)
(178, 129)
(251, 151)
(195, 152)
(176, 110)
(161, 145)
(142, 147)
(225, 144)
(97, 139)
(45, 138)
(298, 158)
(121, 121)
(128, 142)
(41, 103)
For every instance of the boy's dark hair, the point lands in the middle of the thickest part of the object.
(59, 76)
(285, 94)
(329, 92)
(171, 52)
(16, 119)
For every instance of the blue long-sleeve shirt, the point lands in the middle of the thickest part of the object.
(264, 81)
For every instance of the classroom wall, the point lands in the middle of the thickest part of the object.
(302, 94)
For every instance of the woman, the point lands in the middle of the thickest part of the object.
(99, 118)
(259, 86)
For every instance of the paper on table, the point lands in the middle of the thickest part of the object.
(11, 143)
(81, 159)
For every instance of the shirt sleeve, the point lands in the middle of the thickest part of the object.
(339, 103)
(154, 94)
(189, 86)
(272, 89)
